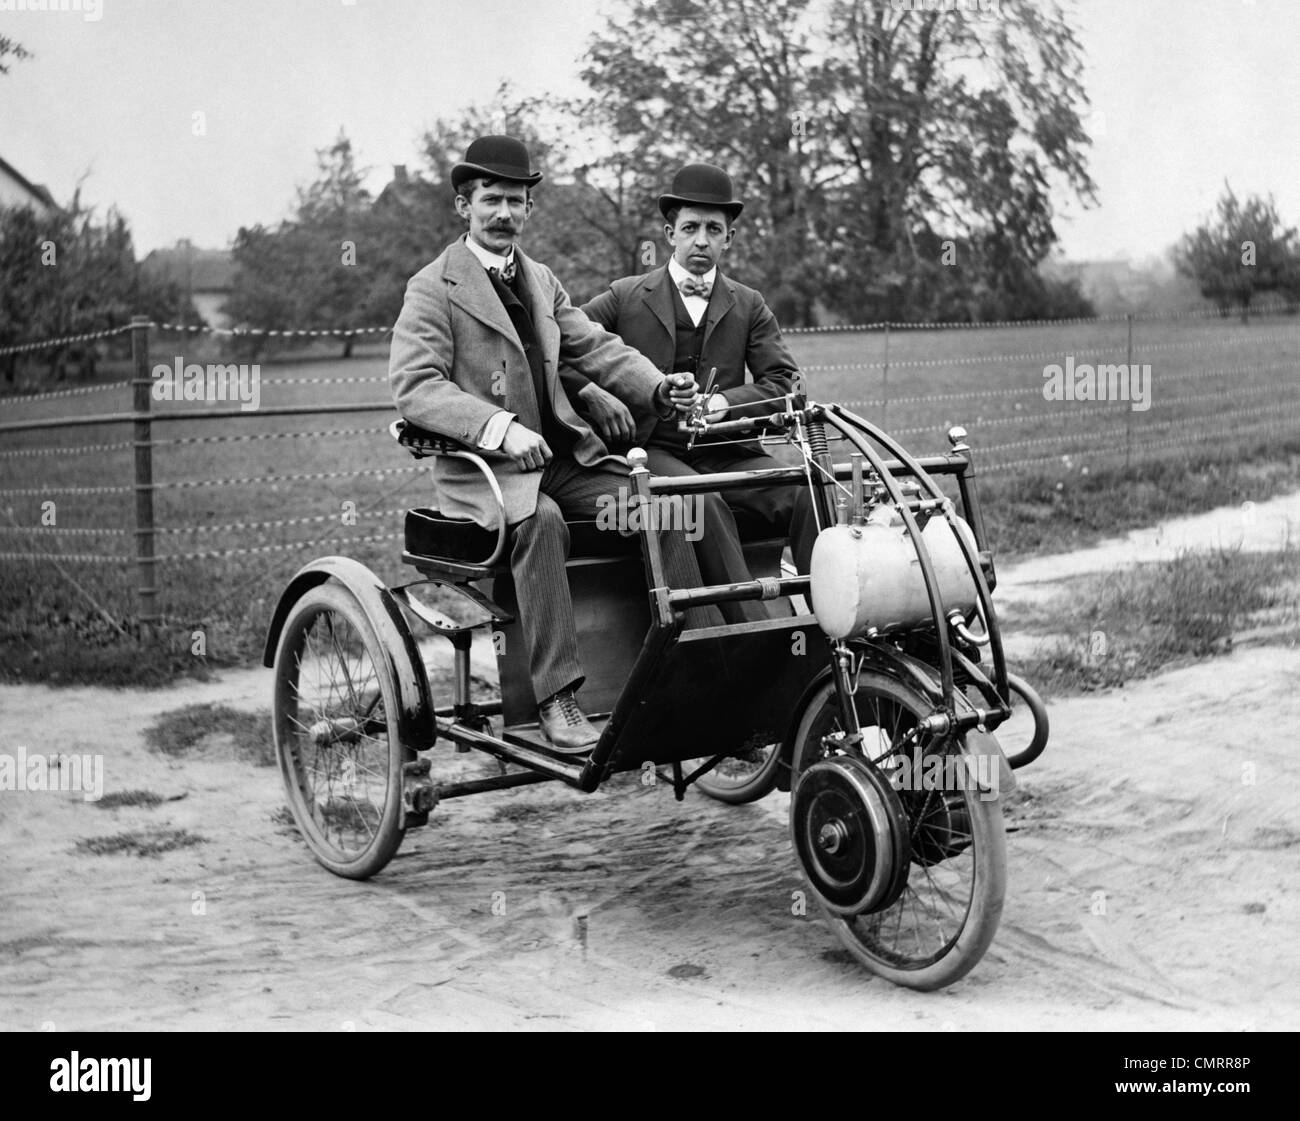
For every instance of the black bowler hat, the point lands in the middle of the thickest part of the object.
(701, 184)
(496, 157)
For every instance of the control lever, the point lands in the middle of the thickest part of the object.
(700, 407)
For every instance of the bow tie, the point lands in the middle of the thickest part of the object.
(694, 286)
(508, 273)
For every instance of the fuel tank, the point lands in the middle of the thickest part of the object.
(868, 576)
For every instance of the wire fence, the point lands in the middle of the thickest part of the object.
(248, 490)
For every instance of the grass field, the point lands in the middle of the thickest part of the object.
(1224, 425)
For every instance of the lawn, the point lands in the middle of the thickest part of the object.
(1224, 419)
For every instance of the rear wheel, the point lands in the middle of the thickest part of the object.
(938, 853)
(747, 776)
(339, 752)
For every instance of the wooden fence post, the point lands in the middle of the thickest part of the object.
(1128, 412)
(142, 391)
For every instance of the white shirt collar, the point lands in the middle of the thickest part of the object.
(678, 273)
(487, 258)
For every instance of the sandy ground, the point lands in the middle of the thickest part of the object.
(1154, 868)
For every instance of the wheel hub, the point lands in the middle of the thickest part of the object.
(850, 834)
(834, 835)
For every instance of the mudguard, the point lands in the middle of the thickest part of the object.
(417, 725)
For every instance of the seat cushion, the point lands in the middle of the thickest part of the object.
(430, 534)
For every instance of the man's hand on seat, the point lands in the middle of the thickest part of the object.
(526, 447)
(611, 419)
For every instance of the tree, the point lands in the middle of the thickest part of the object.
(12, 49)
(1244, 251)
(307, 273)
(862, 137)
(66, 273)
(735, 83)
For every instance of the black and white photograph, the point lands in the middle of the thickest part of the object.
(651, 515)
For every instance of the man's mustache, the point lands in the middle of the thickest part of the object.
(502, 227)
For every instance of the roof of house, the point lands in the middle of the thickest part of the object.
(36, 190)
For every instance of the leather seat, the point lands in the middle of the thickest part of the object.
(430, 534)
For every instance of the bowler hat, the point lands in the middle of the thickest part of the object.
(701, 184)
(496, 157)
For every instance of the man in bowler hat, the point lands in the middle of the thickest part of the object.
(475, 355)
(686, 316)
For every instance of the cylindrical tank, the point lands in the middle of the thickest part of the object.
(870, 576)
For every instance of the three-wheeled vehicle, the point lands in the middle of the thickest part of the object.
(876, 710)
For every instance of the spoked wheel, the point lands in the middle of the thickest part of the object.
(339, 753)
(744, 777)
(906, 855)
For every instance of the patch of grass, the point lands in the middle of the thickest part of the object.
(141, 842)
(77, 647)
(1046, 513)
(245, 736)
(146, 798)
(1131, 624)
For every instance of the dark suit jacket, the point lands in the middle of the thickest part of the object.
(740, 332)
(456, 359)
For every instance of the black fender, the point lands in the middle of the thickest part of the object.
(417, 725)
(904, 668)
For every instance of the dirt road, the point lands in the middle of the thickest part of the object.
(1154, 883)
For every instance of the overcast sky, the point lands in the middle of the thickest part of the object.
(1185, 93)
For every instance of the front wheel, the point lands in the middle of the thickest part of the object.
(339, 752)
(912, 885)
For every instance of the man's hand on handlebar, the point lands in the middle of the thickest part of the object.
(526, 447)
(678, 390)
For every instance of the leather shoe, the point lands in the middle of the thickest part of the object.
(565, 725)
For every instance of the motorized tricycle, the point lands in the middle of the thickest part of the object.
(876, 709)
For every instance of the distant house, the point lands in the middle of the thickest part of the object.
(16, 190)
(202, 274)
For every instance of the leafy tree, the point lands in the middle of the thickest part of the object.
(861, 138)
(66, 273)
(306, 273)
(10, 48)
(1243, 251)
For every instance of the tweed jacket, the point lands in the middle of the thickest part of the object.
(456, 359)
(740, 332)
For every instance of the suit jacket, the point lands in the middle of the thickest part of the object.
(456, 359)
(740, 331)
